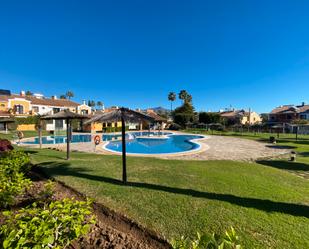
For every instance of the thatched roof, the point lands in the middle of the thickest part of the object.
(65, 114)
(116, 115)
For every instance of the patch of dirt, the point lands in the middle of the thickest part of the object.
(111, 231)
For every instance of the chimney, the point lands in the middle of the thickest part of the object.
(22, 93)
(54, 97)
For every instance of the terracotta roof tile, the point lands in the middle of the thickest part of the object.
(44, 101)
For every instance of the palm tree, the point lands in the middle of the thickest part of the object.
(28, 93)
(69, 94)
(100, 104)
(171, 97)
(91, 103)
(183, 95)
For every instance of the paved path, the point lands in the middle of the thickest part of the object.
(231, 148)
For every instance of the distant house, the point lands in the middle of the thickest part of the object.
(22, 105)
(240, 117)
(159, 121)
(289, 113)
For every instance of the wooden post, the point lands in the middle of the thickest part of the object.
(296, 132)
(40, 133)
(124, 162)
(68, 138)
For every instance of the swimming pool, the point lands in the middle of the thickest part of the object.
(84, 138)
(169, 143)
(136, 142)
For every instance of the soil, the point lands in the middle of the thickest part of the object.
(111, 231)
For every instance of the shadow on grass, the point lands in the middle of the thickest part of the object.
(287, 165)
(63, 169)
(281, 146)
(305, 154)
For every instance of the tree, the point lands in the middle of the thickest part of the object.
(171, 97)
(63, 96)
(209, 117)
(28, 93)
(91, 103)
(185, 96)
(100, 104)
(69, 94)
(184, 114)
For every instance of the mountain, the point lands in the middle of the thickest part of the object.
(160, 109)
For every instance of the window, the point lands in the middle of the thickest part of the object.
(55, 110)
(109, 124)
(35, 109)
(19, 109)
(116, 124)
(84, 112)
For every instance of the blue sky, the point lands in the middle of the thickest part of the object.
(132, 53)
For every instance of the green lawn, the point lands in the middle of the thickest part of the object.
(269, 207)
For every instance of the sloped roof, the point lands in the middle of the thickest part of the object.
(117, 114)
(66, 114)
(43, 101)
(4, 114)
(233, 114)
(290, 109)
(156, 116)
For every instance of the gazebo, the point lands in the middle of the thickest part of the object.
(124, 115)
(5, 122)
(68, 116)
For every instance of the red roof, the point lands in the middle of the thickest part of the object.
(43, 101)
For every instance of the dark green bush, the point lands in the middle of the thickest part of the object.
(55, 225)
(28, 120)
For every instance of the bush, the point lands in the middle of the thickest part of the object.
(28, 120)
(13, 165)
(5, 145)
(15, 161)
(12, 186)
(228, 241)
(54, 225)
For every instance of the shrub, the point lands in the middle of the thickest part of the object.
(228, 241)
(54, 225)
(12, 186)
(15, 161)
(5, 145)
(13, 165)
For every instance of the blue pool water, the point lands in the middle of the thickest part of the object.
(170, 144)
(136, 142)
(80, 138)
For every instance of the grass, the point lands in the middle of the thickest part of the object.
(266, 204)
